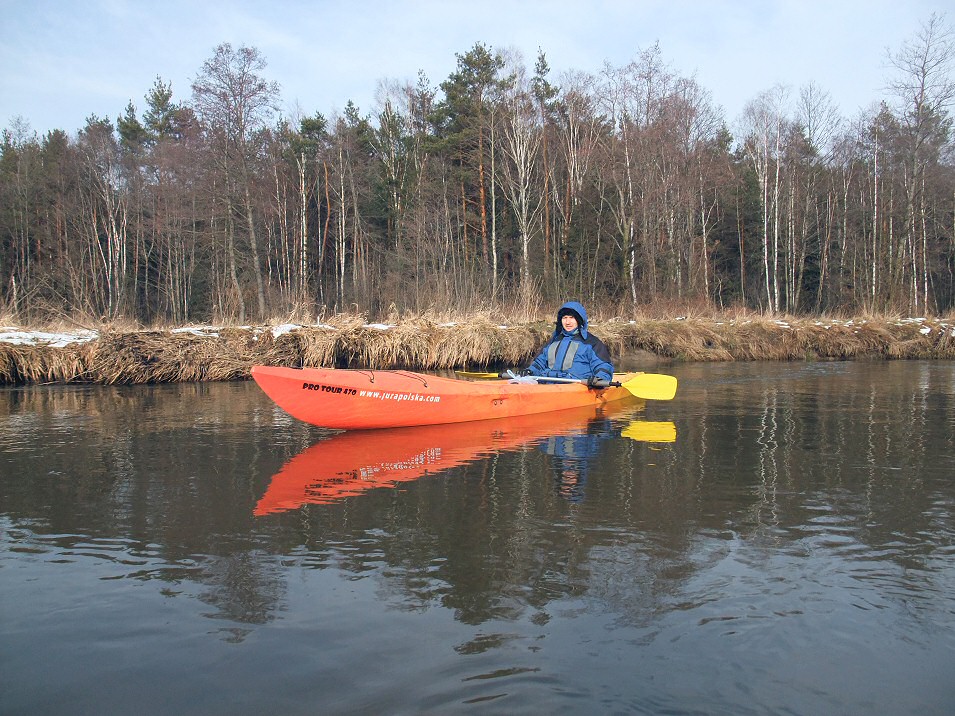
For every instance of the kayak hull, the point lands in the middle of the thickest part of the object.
(369, 399)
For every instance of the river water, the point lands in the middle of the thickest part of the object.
(779, 539)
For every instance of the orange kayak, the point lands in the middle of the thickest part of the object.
(349, 464)
(367, 399)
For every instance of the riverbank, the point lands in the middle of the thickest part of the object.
(114, 355)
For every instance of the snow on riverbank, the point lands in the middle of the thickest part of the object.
(20, 337)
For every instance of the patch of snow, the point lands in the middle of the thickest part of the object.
(283, 329)
(379, 326)
(51, 340)
(201, 331)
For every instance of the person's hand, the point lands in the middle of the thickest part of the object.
(595, 382)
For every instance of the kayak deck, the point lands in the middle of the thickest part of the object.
(357, 399)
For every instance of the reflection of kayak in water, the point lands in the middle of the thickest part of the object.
(351, 463)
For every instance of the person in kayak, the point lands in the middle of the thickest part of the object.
(573, 351)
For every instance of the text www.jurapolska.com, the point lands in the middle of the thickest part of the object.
(399, 397)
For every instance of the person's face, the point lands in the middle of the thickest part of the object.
(568, 322)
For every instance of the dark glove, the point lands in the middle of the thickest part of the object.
(595, 382)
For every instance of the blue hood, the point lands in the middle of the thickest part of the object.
(581, 312)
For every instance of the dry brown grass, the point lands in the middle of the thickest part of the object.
(482, 342)
(164, 356)
(123, 354)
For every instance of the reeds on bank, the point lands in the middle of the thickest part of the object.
(129, 356)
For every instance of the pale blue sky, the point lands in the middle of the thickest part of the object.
(62, 60)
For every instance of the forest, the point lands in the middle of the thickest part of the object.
(501, 189)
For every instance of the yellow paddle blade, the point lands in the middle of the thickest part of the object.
(648, 432)
(652, 386)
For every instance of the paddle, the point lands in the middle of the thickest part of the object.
(649, 386)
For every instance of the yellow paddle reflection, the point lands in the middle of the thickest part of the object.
(650, 432)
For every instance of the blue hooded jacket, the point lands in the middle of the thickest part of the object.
(576, 355)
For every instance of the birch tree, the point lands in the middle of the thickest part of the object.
(107, 213)
(765, 126)
(521, 142)
(234, 101)
(924, 87)
(579, 129)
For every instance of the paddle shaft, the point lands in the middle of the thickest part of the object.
(493, 376)
(548, 379)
